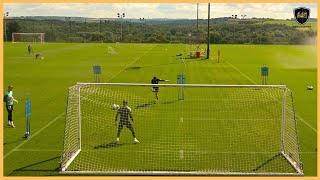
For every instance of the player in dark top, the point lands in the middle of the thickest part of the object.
(155, 89)
(125, 112)
(29, 50)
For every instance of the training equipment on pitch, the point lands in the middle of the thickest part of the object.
(264, 75)
(28, 37)
(215, 130)
(197, 45)
(181, 79)
(28, 118)
(96, 73)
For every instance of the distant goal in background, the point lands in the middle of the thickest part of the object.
(28, 37)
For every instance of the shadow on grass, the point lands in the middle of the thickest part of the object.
(165, 64)
(133, 68)
(267, 162)
(169, 102)
(11, 142)
(145, 105)
(26, 168)
(109, 145)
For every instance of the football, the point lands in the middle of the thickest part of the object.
(115, 107)
(309, 87)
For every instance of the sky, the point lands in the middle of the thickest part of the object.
(158, 10)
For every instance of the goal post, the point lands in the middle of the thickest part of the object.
(214, 130)
(28, 37)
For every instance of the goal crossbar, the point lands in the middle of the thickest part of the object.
(187, 85)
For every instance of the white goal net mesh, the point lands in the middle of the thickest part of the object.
(28, 37)
(213, 130)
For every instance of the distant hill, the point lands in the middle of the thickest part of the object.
(63, 18)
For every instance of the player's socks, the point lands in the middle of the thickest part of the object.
(118, 139)
(136, 140)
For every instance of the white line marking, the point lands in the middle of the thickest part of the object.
(181, 151)
(181, 154)
(299, 117)
(35, 134)
(132, 62)
(184, 63)
(38, 150)
(230, 119)
(241, 72)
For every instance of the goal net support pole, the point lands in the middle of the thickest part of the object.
(215, 130)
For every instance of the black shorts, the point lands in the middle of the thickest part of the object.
(125, 123)
(9, 108)
(155, 89)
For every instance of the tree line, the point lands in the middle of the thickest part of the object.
(222, 31)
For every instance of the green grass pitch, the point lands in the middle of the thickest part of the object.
(46, 82)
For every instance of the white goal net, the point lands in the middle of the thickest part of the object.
(214, 130)
(28, 37)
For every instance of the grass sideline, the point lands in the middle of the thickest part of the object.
(46, 82)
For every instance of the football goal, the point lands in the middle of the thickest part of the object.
(110, 50)
(215, 130)
(28, 37)
(197, 45)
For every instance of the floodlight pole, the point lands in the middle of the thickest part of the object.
(5, 25)
(69, 18)
(115, 27)
(197, 17)
(234, 27)
(121, 16)
(85, 24)
(130, 24)
(106, 27)
(145, 27)
(190, 34)
(243, 16)
(100, 24)
(208, 46)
